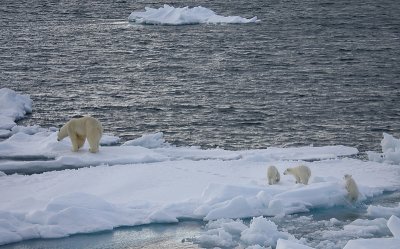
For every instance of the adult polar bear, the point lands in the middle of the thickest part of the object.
(81, 128)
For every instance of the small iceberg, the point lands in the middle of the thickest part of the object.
(169, 15)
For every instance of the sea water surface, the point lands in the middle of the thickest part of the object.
(311, 72)
(322, 72)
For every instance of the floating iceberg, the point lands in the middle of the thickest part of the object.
(169, 15)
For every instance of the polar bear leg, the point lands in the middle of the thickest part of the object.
(81, 141)
(94, 141)
(305, 174)
(74, 141)
(74, 138)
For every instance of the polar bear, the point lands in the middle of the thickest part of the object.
(80, 128)
(351, 187)
(273, 175)
(301, 173)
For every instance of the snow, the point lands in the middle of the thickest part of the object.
(168, 15)
(148, 180)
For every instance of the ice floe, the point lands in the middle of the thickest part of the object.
(148, 180)
(168, 15)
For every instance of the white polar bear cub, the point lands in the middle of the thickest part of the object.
(301, 173)
(81, 128)
(273, 175)
(351, 187)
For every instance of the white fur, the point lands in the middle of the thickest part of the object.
(80, 129)
(301, 173)
(273, 175)
(351, 187)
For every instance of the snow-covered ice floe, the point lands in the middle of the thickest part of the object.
(148, 180)
(168, 15)
(146, 149)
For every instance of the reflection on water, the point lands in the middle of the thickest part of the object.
(146, 236)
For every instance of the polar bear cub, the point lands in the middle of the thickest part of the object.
(81, 128)
(301, 173)
(273, 175)
(351, 187)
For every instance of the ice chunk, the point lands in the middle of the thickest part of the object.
(168, 15)
(325, 194)
(263, 232)
(236, 208)
(149, 141)
(216, 238)
(394, 226)
(373, 243)
(388, 243)
(390, 150)
(221, 233)
(287, 244)
(385, 212)
(13, 106)
(234, 227)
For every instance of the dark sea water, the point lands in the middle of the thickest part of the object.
(322, 72)
(316, 72)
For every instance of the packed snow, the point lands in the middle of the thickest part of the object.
(168, 15)
(148, 180)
